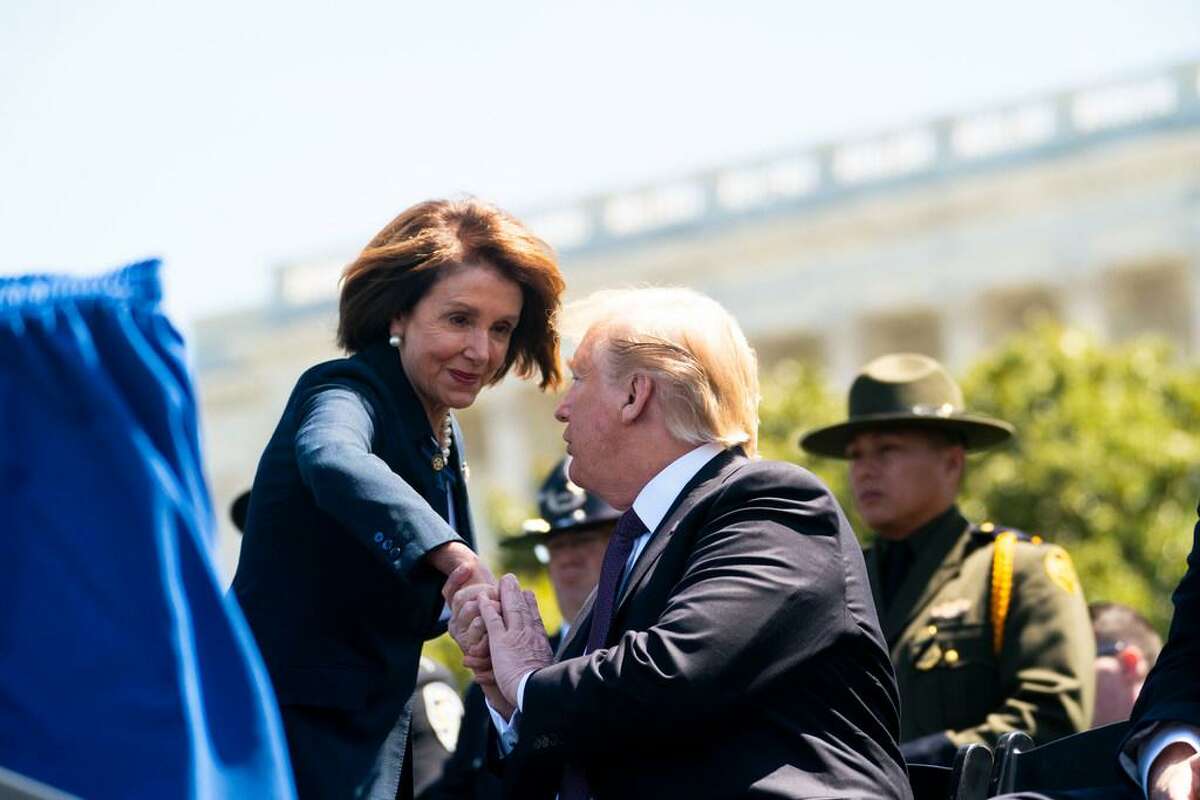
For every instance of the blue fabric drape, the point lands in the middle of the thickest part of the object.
(125, 671)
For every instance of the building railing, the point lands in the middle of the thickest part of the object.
(1003, 135)
(1161, 100)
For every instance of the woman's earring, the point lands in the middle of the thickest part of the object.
(394, 340)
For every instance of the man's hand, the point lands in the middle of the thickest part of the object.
(516, 636)
(468, 631)
(1175, 774)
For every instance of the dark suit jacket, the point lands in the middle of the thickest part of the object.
(332, 576)
(1171, 692)
(469, 773)
(1172, 689)
(745, 659)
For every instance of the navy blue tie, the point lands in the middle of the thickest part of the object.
(629, 528)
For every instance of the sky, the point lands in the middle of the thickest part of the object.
(229, 137)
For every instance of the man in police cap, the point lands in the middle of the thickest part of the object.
(987, 626)
(570, 538)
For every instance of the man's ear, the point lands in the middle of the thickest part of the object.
(956, 460)
(639, 390)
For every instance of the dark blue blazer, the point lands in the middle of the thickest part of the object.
(332, 575)
(1172, 689)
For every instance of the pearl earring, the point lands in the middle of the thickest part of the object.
(394, 340)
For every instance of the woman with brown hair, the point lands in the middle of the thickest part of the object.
(359, 508)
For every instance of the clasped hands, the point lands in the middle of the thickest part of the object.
(499, 629)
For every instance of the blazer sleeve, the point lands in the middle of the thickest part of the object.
(762, 590)
(1172, 691)
(1047, 665)
(356, 487)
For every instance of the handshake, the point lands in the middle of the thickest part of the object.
(499, 629)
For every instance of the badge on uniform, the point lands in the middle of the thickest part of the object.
(930, 658)
(951, 609)
(444, 710)
(1061, 571)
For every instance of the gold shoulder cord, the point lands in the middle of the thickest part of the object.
(1002, 580)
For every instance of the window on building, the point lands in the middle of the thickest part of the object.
(1006, 311)
(1150, 297)
(798, 346)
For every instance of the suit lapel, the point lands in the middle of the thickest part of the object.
(408, 433)
(871, 557)
(573, 646)
(462, 504)
(582, 623)
(662, 534)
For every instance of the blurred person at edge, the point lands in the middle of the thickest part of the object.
(570, 538)
(1159, 758)
(1126, 649)
(359, 507)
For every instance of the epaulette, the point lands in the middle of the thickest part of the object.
(1005, 543)
(990, 530)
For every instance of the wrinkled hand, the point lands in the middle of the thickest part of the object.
(516, 635)
(1175, 774)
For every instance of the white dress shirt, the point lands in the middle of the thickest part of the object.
(651, 505)
(1157, 739)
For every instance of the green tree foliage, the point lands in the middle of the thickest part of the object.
(1106, 461)
(796, 399)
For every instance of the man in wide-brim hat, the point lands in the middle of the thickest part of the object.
(987, 627)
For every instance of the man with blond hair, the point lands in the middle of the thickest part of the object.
(731, 648)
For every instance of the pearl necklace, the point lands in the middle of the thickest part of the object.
(442, 458)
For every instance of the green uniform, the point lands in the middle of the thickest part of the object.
(955, 686)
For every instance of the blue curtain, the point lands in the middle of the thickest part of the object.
(125, 671)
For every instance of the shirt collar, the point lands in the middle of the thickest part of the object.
(656, 497)
(944, 528)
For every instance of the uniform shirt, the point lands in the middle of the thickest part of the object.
(954, 687)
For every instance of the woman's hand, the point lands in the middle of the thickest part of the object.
(466, 627)
(450, 556)
(466, 584)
